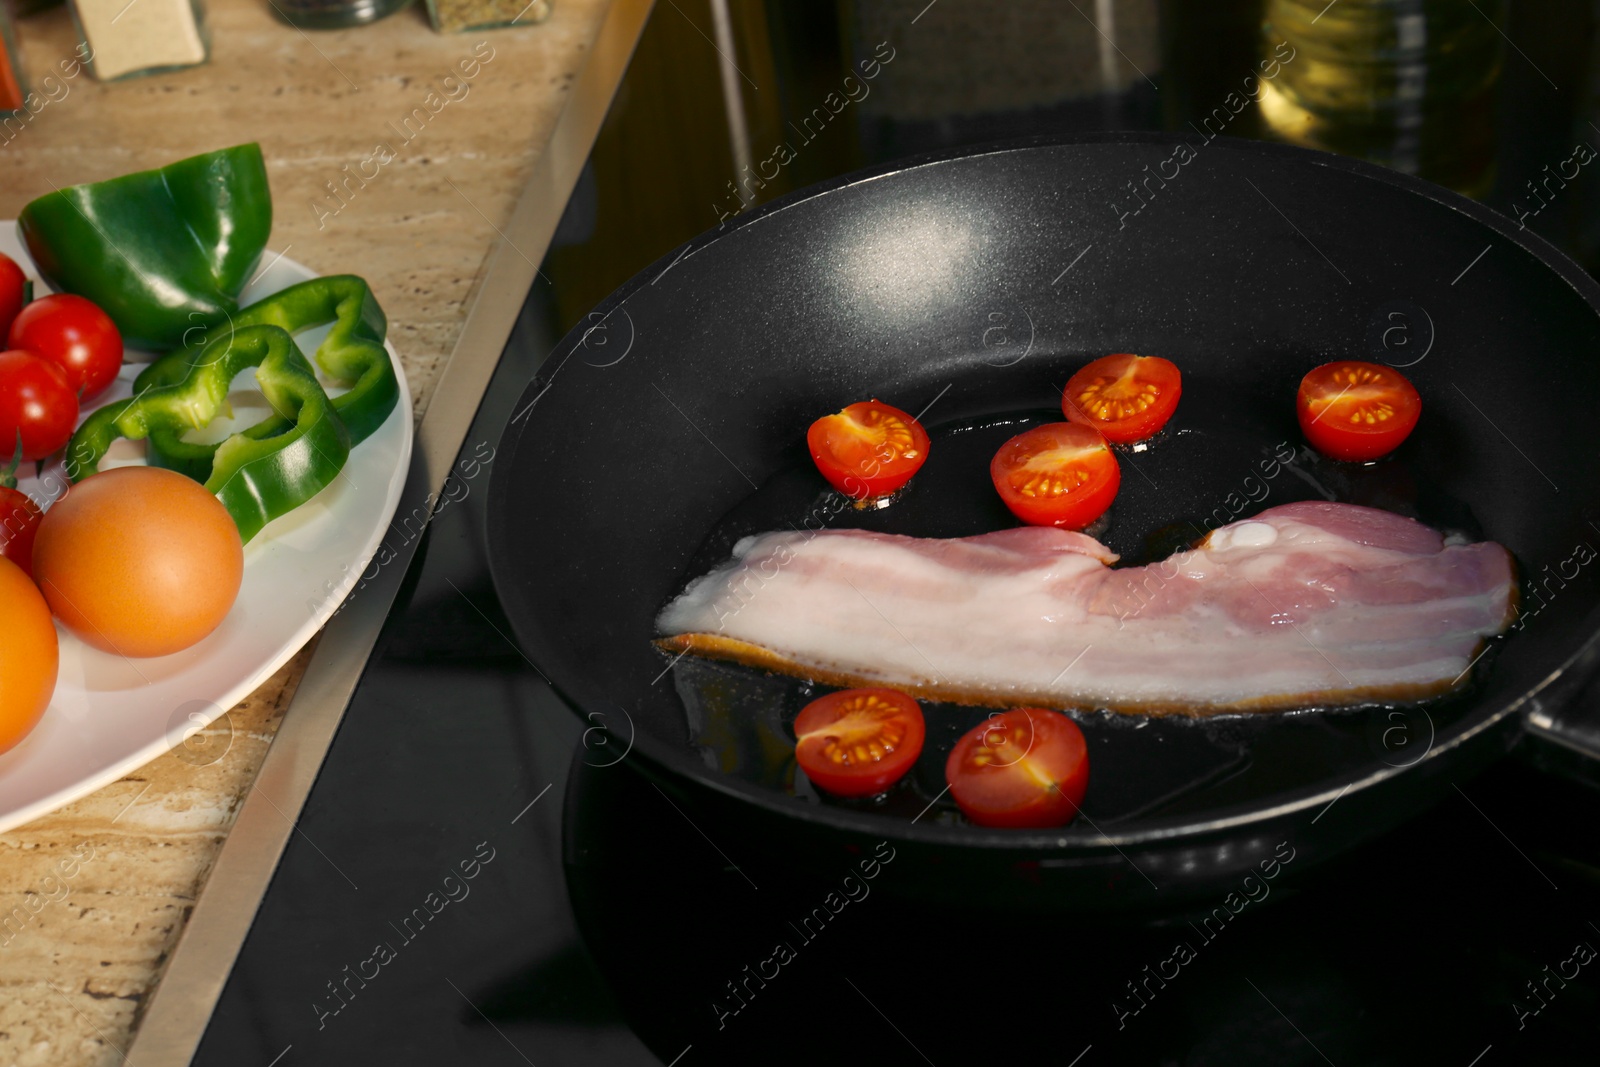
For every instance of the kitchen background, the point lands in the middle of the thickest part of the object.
(1493, 98)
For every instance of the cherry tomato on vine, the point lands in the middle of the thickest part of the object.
(1059, 474)
(76, 336)
(1356, 411)
(869, 449)
(13, 292)
(859, 742)
(37, 401)
(1027, 768)
(1124, 396)
(19, 518)
(19, 522)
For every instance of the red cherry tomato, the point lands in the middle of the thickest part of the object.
(37, 401)
(859, 742)
(1356, 411)
(19, 522)
(1059, 474)
(76, 336)
(1023, 768)
(19, 518)
(13, 285)
(869, 449)
(1125, 397)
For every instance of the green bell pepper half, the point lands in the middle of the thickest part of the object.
(161, 251)
(352, 352)
(260, 473)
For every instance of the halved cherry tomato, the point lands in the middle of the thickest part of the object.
(1022, 768)
(859, 742)
(37, 401)
(1356, 411)
(1059, 474)
(1125, 397)
(13, 291)
(869, 449)
(74, 334)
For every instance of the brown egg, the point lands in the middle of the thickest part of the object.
(28, 655)
(139, 561)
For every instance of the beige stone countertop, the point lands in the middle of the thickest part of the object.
(97, 892)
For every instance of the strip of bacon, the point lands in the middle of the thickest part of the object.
(1305, 605)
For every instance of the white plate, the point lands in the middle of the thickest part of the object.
(110, 714)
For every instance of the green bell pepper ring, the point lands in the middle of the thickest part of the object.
(353, 351)
(258, 475)
(161, 251)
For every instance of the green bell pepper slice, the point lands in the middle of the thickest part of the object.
(259, 473)
(352, 352)
(161, 251)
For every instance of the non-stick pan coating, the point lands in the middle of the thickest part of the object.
(977, 282)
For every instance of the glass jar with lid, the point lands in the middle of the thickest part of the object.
(333, 14)
(123, 39)
(459, 16)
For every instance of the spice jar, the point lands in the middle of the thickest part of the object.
(458, 16)
(11, 95)
(125, 38)
(333, 14)
(21, 9)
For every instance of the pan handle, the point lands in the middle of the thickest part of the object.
(1562, 724)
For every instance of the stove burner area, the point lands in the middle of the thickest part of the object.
(1429, 946)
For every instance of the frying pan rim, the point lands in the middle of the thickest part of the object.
(673, 762)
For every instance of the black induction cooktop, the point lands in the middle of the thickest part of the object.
(480, 876)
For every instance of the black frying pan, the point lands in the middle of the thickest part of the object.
(974, 284)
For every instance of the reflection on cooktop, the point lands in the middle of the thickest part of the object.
(1427, 947)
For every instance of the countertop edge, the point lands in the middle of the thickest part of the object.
(181, 1004)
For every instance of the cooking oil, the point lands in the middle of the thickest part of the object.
(1406, 83)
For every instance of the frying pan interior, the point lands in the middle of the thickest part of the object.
(972, 286)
